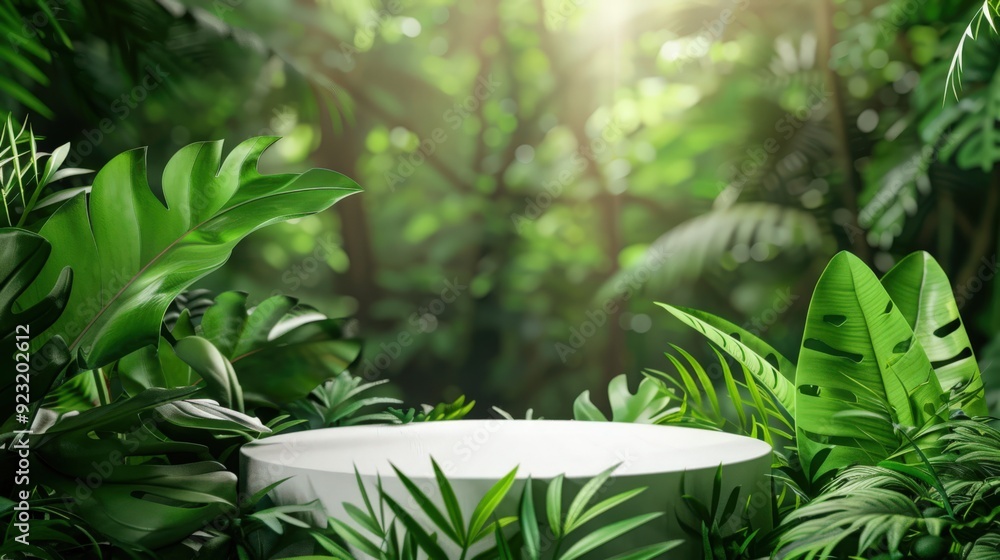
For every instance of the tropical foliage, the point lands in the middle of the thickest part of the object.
(892, 453)
(524, 160)
(527, 543)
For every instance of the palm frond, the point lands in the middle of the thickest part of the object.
(745, 408)
(953, 81)
(721, 239)
(345, 400)
(30, 30)
(455, 410)
(870, 515)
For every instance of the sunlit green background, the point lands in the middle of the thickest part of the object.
(530, 165)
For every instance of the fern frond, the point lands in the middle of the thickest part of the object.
(873, 516)
(710, 241)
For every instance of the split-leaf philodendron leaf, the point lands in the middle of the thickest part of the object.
(22, 257)
(921, 290)
(98, 460)
(860, 371)
(131, 255)
(278, 334)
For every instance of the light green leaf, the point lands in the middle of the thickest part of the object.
(205, 414)
(354, 538)
(766, 373)
(428, 507)
(583, 497)
(488, 504)
(553, 505)
(529, 523)
(131, 255)
(921, 290)
(860, 371)
(450, 503)
(206, 360)
(427, 542)
(606, 534)
(278, 334)
(647, 406)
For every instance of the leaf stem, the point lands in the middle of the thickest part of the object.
(946, 501)
(102, 389)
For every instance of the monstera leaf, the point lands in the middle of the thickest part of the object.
(109, 463)
(281, 350)
(860, 371)
(921, 290)
(270, 355)
(131, 255)
(650, 403)
(22, 256)
(769, 368)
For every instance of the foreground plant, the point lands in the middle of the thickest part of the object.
(863, 367)
(137, 422)
(946, 507)
(27, 175)
(400, 536)
(131, 254)
(883, 366)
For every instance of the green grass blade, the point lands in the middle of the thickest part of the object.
(606, 505)
(553, 505)
(428, 507)
(427, 543)
(529, 523)
(364, 493)
(503, 549)
(352, 537)
(332, 547)
(369, 523)
(649, 552)
(706, 382)
(451, 503)
(484, 510)
(606, 534)
(583, 497)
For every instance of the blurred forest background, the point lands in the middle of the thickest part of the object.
(538, 172)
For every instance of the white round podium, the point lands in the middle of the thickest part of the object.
(320, 464)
